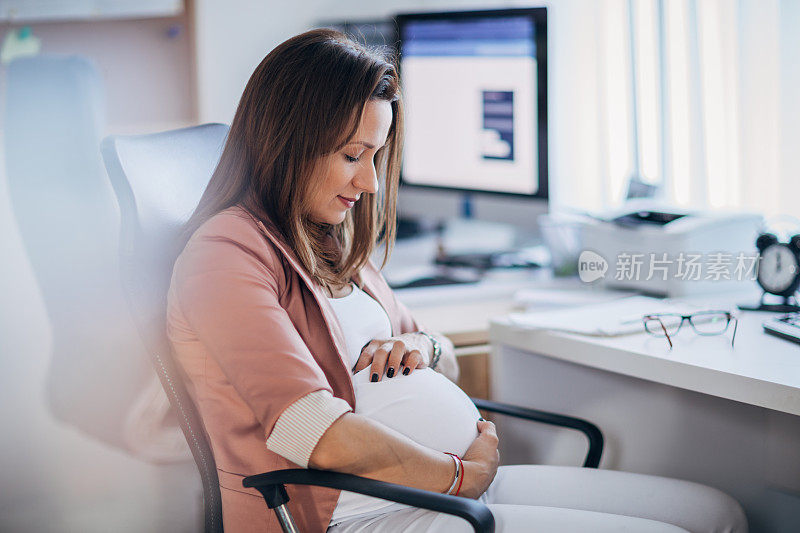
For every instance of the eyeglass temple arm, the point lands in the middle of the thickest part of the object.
(664, 329)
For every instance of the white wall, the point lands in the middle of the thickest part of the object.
(234, 36)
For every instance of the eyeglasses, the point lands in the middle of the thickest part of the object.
(705, 323)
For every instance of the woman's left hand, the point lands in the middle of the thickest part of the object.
(402, 353)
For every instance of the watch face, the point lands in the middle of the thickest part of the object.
(778, 268)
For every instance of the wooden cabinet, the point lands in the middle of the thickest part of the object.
(473, 363)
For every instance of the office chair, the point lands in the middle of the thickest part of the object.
(158, 180)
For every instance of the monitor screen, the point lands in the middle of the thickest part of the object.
(475, 97)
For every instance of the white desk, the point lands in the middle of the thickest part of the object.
(760, 370)
(703, 411)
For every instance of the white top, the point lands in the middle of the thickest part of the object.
(362, 319)
(424, 406)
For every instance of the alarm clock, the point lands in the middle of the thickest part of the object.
(779, 264)
(778, 271)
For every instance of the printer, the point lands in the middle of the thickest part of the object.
(668, 251)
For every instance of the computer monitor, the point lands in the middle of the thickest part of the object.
(475, 96)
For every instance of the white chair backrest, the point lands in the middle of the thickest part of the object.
(159, 179)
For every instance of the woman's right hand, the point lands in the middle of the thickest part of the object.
(480, 461)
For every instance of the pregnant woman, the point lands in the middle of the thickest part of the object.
(296, 351)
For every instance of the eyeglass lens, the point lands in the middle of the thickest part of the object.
(671, 324)
(710, 323)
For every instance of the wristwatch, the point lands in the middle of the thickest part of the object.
(437, 349)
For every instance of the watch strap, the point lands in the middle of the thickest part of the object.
(437, 349)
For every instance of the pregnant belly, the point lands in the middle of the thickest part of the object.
(424, 406)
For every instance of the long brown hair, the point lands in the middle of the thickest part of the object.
(304, 101)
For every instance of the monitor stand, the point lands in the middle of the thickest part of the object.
(456, 251)
(437, 276)
(412, 227)
(489, 260)
(470, 243)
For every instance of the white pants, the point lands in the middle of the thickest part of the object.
(539, 498)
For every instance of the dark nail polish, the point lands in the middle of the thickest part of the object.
(390, 372)
(481, 419)
(374, 377)
(406, 371)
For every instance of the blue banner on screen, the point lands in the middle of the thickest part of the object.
(498, 125)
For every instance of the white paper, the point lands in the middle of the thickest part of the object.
(609, 319)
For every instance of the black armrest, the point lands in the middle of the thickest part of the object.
(591, 431)
(271, 486)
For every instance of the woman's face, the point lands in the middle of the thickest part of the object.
(350, 172)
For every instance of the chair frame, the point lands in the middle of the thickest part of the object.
(271, 485)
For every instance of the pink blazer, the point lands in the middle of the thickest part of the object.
(254, 333)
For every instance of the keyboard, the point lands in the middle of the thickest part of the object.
(786, 327)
